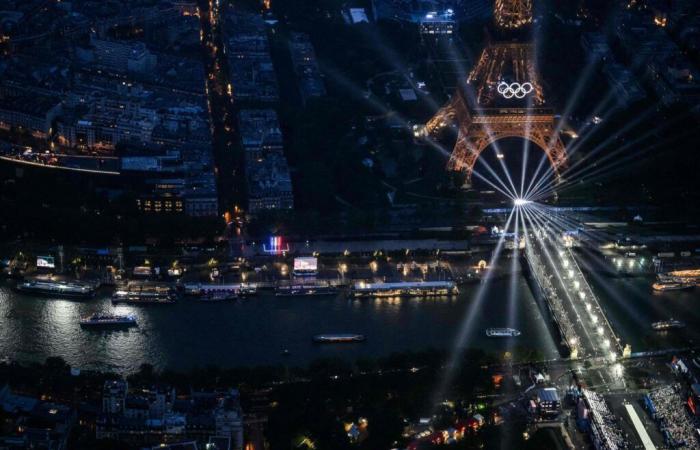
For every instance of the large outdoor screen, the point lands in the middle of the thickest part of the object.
(306, 264)
(46, 262)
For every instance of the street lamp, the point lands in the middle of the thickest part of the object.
(617, 370)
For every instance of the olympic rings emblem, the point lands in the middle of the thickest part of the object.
(516, 90)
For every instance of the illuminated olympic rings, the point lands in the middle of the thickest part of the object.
(516, 90)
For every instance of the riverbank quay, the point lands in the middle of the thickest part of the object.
(381, 260)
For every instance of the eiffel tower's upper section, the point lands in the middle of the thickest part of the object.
(505, 74)
(512, 14)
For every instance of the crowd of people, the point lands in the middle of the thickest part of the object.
(566, 327)
(605, 428)
(20, 154)
(673, 417)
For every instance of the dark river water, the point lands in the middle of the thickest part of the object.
(256, 330)
(632, 306)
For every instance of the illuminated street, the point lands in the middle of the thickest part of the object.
(585, 329)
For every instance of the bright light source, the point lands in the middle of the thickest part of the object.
(500, 155)
(521, 202)
(617, 369)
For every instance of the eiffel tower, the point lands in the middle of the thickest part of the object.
(501, 98)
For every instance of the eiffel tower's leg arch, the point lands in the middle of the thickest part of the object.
(472, 142)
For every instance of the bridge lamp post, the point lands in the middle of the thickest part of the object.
(617, 370)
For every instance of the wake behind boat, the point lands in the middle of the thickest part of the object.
(502, 332)
(338, 338)
(107, 320)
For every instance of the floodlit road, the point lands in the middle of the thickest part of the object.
(572, 302)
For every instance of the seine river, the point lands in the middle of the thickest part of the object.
(256, 330)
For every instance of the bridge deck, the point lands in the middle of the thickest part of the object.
(571, 300)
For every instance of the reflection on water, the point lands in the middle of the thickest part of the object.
(255, 331)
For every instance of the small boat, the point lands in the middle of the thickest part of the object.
(246, 290)
(671, 324)
(338, 338)
(107, 320)
(671, 286)
(502, 332)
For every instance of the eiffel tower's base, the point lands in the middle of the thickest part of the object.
(484, 114)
